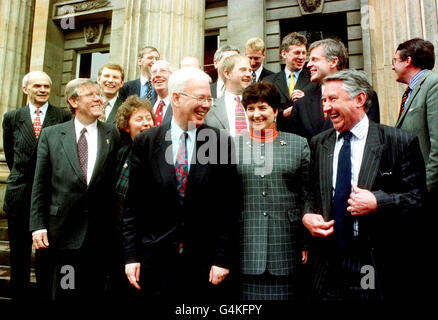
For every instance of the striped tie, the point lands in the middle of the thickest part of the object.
(159, 113)
(240, 118)
(404, 98)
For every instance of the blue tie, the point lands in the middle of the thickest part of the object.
(146, 91)
(343, 219)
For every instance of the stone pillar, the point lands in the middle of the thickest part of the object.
(174, 27)
(15, 39)
(246, 19)
(391, 22)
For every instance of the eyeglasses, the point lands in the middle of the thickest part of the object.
(200, 100)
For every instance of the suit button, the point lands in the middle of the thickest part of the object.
(264, 193)
(265, 214)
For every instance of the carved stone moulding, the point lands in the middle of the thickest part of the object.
(81, 11)
(311, 6)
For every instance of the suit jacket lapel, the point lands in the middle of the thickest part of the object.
(163, 145)
(371, 158)
(412, 97)
(68, 137)
(112, 115)
(282, 84)
(103, 142)
(326, 174)
(169, 113)
(219, 111)
(26, 126)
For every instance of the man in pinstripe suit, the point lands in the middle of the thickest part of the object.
(376, 260)
(20, 144)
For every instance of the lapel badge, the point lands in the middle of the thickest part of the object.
(125, 165)
(283, 143)
(107, 141)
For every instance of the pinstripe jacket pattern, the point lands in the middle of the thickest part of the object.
(275, 183)
(20, 145)
(393, 170)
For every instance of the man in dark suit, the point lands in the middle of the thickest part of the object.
(162, 108)
(110, 79)
(142, 86)
(306, 117)
(293, 81)
(218, 87)
(21, 130)
(369, 186)
(180, 243)
(71, 214)
(256, 53)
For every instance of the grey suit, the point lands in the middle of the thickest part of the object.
(217, 116)
(420, 116)
(79, 218)
(20, 145)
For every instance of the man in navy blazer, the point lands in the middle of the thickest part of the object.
(146, 58)
(180, 245)
(72, 215)
(20, 144)
(364, 246)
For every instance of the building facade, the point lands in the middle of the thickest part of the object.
(73, 38)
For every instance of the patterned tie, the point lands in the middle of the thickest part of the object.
(37, 123)
(147, 93)
(343, 219)
(404, 98)
(83, 153)
(291, 84)
(181, 167)
(253, 77)
(103, 115)
(240, 118)
(159, 113)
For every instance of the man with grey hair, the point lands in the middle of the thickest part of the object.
(218, 87)
(21, 130)
(72, 216)
(162, 108)
(369, 184)
(181, 244)
(142, 86)
(306, 117)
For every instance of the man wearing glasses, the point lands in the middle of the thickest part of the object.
(178, 243)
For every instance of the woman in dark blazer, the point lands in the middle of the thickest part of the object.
(134, 116)
(274, 171)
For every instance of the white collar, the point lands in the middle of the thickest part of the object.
(43, 108)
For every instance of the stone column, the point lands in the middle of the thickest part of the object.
(246, 19)
(391, 22)
(174, 27)
(15, 40)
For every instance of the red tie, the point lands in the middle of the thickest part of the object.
(240, 118)
(159, 113)
(37, 123)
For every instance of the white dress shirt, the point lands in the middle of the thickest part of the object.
(230, 106)
(91, 136)
(43, 111)
(110, 106)
(258, 72)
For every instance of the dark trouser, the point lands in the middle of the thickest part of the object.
(344, 274)
(20, 244)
